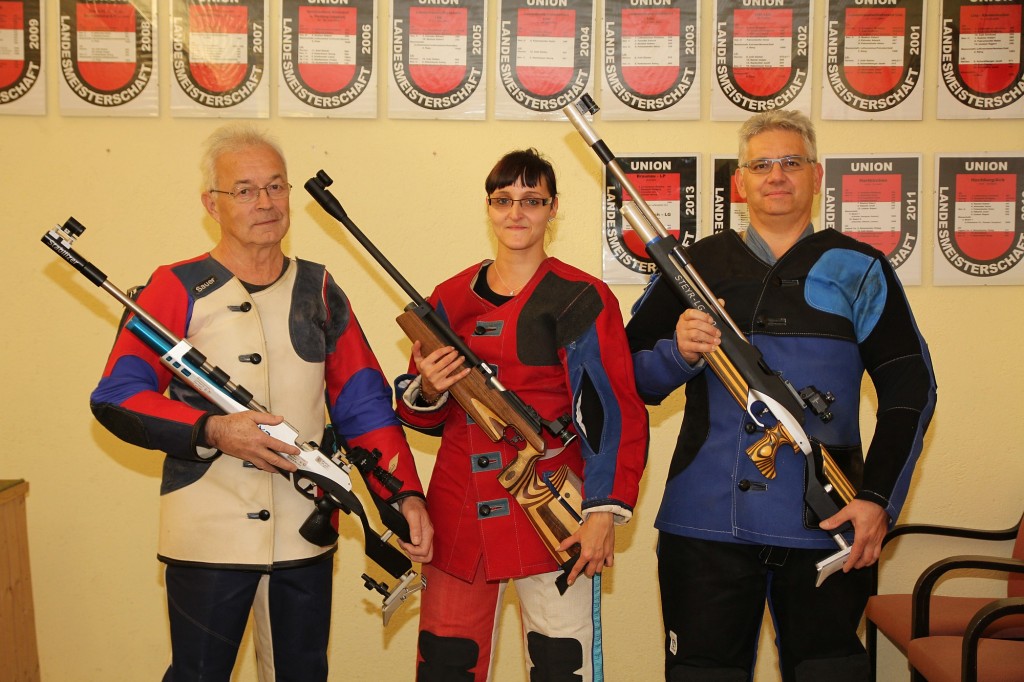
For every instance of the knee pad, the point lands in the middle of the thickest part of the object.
(555, 659)
(853, 668)
(687, 673)
(446, 659)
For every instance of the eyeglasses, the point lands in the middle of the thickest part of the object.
(789, 164)
(527, 204)
(247, 195)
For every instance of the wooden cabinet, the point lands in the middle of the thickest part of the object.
(18, 653)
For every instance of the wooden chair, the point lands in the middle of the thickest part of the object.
(893, 614)
(972, 658)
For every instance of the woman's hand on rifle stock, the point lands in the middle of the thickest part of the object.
(438, 370)
(596, 538)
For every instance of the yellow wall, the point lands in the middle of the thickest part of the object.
(416, 188)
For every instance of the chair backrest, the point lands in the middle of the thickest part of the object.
(1015, 586)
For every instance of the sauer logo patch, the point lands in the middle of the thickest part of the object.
(204, 285)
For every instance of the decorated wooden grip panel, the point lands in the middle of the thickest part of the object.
(553, 505)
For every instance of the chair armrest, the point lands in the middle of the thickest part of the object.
(985, 616)
(945, 531)
(921, 601)
(952, 531)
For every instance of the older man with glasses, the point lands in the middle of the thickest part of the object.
(229, 522)
(823, 309)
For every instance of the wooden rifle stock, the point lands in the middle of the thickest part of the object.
(552, 502)
(483, 403)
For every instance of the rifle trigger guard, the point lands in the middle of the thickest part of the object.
(750, 411)
(304, 485)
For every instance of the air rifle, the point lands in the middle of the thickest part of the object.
(316, 469)
(552, 502)
(761, 391)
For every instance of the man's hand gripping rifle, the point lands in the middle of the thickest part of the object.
(552, 502)
(316, 469)
(762, 392)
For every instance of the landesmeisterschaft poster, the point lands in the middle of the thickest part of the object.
(876, 199)
(873, 57)
(22, 72)
(979, 219)
(650, 62)
(219, 58)
(981, 69)
(728, 208)
(108, 58)
(668, 183)
(762, 58)
(437, 60)
(327, 58)
(545, 57)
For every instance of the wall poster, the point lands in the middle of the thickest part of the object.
(219, 58)
(762, 58)
(669, 183)
(651, 59)
(545, 57)
(22, 71)
(327, 57)
(108, 59)
(981, 68)
(437, 60)
(876, 199)
(873, 57)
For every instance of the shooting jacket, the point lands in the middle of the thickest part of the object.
(290, 344)
(561, 347)
(830, 309)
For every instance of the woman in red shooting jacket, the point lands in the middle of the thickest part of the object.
(554, 336)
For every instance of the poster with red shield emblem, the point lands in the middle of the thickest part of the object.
(327, 57)
(981, 70)
(22, 76)
(650, 62)
(873, 56)
(437, 60)
(108, 58)
(979, 219)
(876, 199)
(545, 57)
(728, 208)
(218, 58)
(669, 185)
(762, 57)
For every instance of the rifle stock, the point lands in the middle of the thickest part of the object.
(485, 405)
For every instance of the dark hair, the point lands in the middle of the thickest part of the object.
(524, 165)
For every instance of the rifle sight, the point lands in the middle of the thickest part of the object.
(367, 462)
(818, 402)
